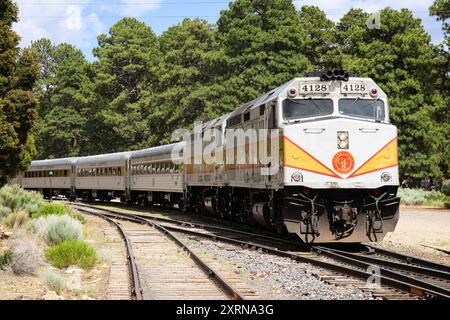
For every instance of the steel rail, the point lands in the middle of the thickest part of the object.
(136, 289)
(398, 265)
(205, 227)
(229, 290)
(409, 259)
(413, 285)
(437, 249)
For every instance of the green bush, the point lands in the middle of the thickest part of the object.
(54, 281)
(56, 229)
(72, 252)
(5, 259)
(419, 197)
(446, 187)
(17, 199)
(48, 209)
(16, 219)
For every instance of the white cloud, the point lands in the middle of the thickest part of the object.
(58, 20)
(138, 7)
(73, 19)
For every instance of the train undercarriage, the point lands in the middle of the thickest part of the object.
(315, 216)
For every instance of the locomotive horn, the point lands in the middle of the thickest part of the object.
(346, 76)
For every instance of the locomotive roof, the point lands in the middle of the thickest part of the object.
(268, 96)
(160, 150)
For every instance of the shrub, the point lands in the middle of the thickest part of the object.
(38, 226)
(17, 219)
(4, 211)
(18, 199)
(5, 259)
(26, 256)
(419, 197)
(54, 281)
(446, 187)
(72, 252)
(61, 228)
(58, 209)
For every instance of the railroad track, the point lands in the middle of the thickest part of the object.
(401, 276)
(159, 271)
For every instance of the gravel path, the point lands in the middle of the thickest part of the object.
(277, 277)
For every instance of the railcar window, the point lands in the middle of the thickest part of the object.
(362, 108)
(305, 108)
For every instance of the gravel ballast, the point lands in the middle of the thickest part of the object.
(278, 277)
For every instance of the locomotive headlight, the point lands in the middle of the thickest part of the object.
(343, 140)
(297, 177)
(386, 177)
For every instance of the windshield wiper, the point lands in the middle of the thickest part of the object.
(318, 106)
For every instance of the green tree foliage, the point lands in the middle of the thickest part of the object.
(18, 74)
(441, 10)
(126, 69)
(401, 59)
(184, 75)
(318, 30)
(67, 96)
(261, 45)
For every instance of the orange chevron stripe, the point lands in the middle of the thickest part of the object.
(297, 158)
(386, 157)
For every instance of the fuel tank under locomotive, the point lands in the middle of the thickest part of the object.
(347, 215)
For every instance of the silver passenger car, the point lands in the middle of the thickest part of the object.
(50, 177)
(155, 176)
(102, 177)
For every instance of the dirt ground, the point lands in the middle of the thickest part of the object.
(419, 227)
(84, 285)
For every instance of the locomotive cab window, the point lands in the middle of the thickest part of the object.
(363, 108)
(306, 108)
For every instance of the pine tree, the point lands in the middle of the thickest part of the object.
(67, 99)
(18, 74)
(400, 58)
(183, 95)
(125, 72)
(262, 47)
(319, 36)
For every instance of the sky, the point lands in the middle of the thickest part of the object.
(79, 22)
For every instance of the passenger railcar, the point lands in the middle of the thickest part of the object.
(156, 177)
(102, 177)
(50, 177)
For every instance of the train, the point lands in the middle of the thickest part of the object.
(316, 158)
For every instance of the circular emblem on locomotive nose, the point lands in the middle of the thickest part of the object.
(343, 162)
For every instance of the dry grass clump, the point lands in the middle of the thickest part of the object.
(54, 282)
(16, 219)
(26, 256)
